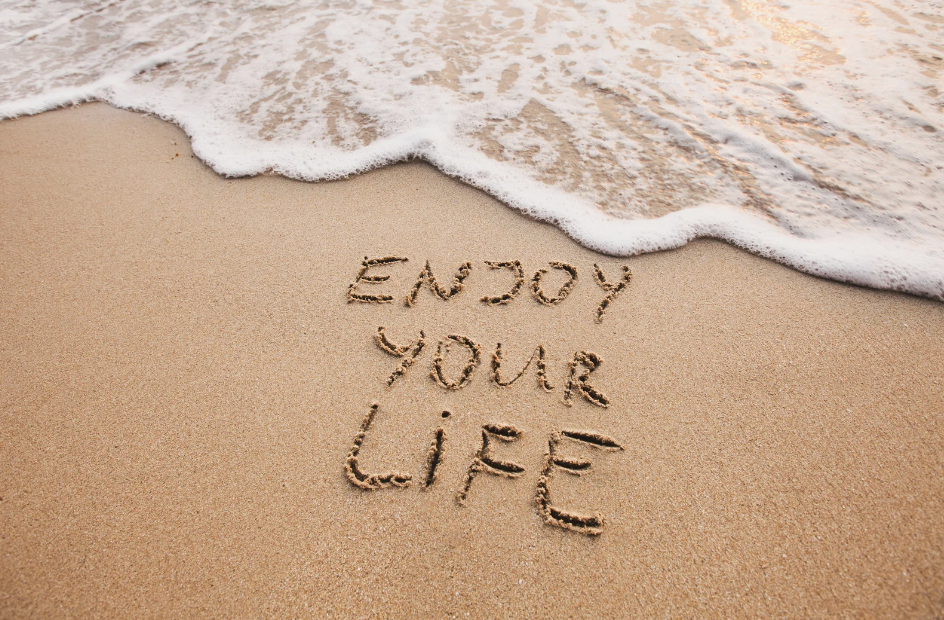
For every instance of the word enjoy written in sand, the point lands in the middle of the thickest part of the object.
(368, 273)
(577, 385)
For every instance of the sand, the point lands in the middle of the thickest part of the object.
(182, 378)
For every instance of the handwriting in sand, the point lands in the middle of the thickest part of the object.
(369, 273)
(577, 385)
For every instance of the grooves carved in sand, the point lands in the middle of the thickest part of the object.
(485, 462)
(581, 382)
(371, 481)
(435, 457)
(414, 350)
(612, 290)
(442, 349)
(514, 266)
(565, 289)
(496, 375)
(591, 525)
(578, 370)
(354, 295)
(426, 278)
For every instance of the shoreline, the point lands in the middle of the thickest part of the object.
(184, 379)
(880, 264)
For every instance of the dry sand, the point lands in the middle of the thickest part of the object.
(182, 379)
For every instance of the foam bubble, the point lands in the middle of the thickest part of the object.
(809, 134)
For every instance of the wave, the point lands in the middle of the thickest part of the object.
(807, 133)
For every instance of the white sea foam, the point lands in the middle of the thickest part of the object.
(811, 133)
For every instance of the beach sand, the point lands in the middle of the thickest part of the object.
(182, 378)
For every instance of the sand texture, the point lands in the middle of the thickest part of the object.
(187, 381)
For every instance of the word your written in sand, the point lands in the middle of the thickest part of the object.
(484, 461)
(372, 273)
(577, 383)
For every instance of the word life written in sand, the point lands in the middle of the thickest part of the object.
(577, 386)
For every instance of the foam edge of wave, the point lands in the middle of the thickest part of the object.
(861, 260)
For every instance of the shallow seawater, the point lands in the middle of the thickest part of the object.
(810, 132)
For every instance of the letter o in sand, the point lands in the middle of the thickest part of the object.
(442, 349)
(564, 291)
